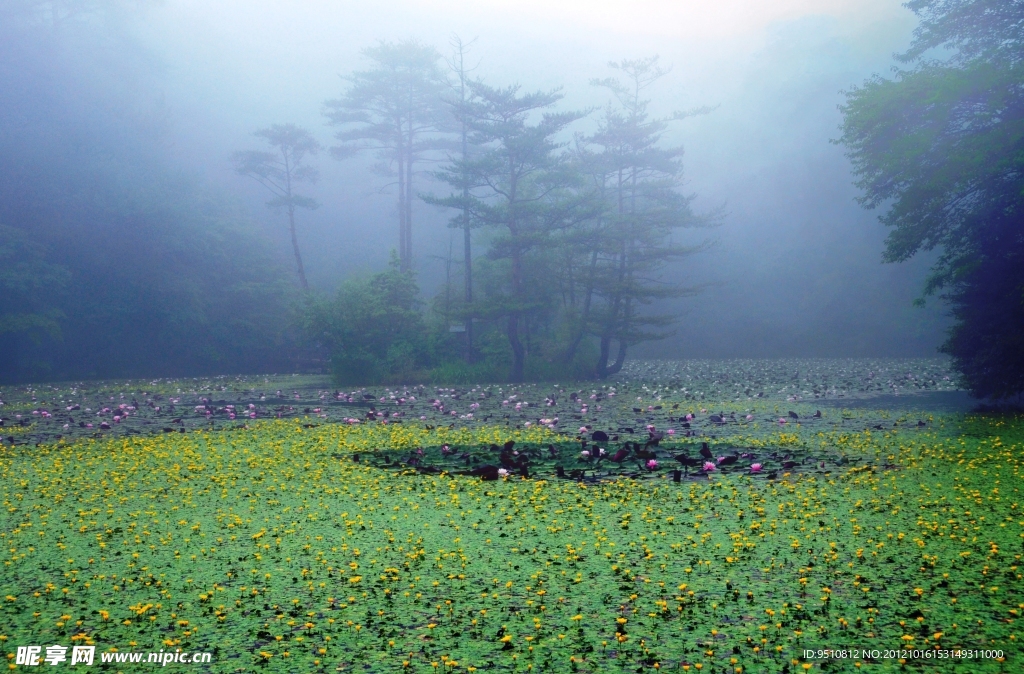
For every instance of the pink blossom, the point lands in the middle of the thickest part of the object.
(652, 465)
(781, 421)
(671, 431)
(755, 468)
(585, 454)
(750, 417)
(689, 417)
(709, 466)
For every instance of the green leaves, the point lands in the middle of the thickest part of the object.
(372, 327)
(941, 147)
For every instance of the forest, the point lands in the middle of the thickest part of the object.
(568, 225)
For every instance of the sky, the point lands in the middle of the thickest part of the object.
(794, 267)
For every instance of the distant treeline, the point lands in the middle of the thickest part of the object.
(116, 265)
(112, 262)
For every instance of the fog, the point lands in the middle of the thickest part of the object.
(794, 263)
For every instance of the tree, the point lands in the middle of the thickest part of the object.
(280, 171)
(392, 109)
(114, 261)
(523, 190)
(637, 182)
(461, 105)
(372, 327)
(940, 146)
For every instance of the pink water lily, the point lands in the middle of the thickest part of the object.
(652, 465)
(709, 466)
(755, 468)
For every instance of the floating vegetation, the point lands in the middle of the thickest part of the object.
(301, 545)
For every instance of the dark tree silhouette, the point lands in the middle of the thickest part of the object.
(941, 147)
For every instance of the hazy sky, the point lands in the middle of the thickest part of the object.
(794, 250)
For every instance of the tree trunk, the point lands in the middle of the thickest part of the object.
(467, 252)
(295, 247)
(518, 352)
(601, 370)
(401, 211)
(619, 359)
(575, 343)
(408, 202)
(291, 220)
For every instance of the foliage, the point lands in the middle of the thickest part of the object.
(141, 270)
(279, 171)
(292, 546)
(523, 191)
(581, 237)
(392, 110)
(613, 265)
(941, 146)
(372, 327)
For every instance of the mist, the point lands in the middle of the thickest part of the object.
(163, 93)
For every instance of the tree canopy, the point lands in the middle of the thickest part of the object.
(280, 171)
(392, 109)
(940, 146)
(113, 262)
